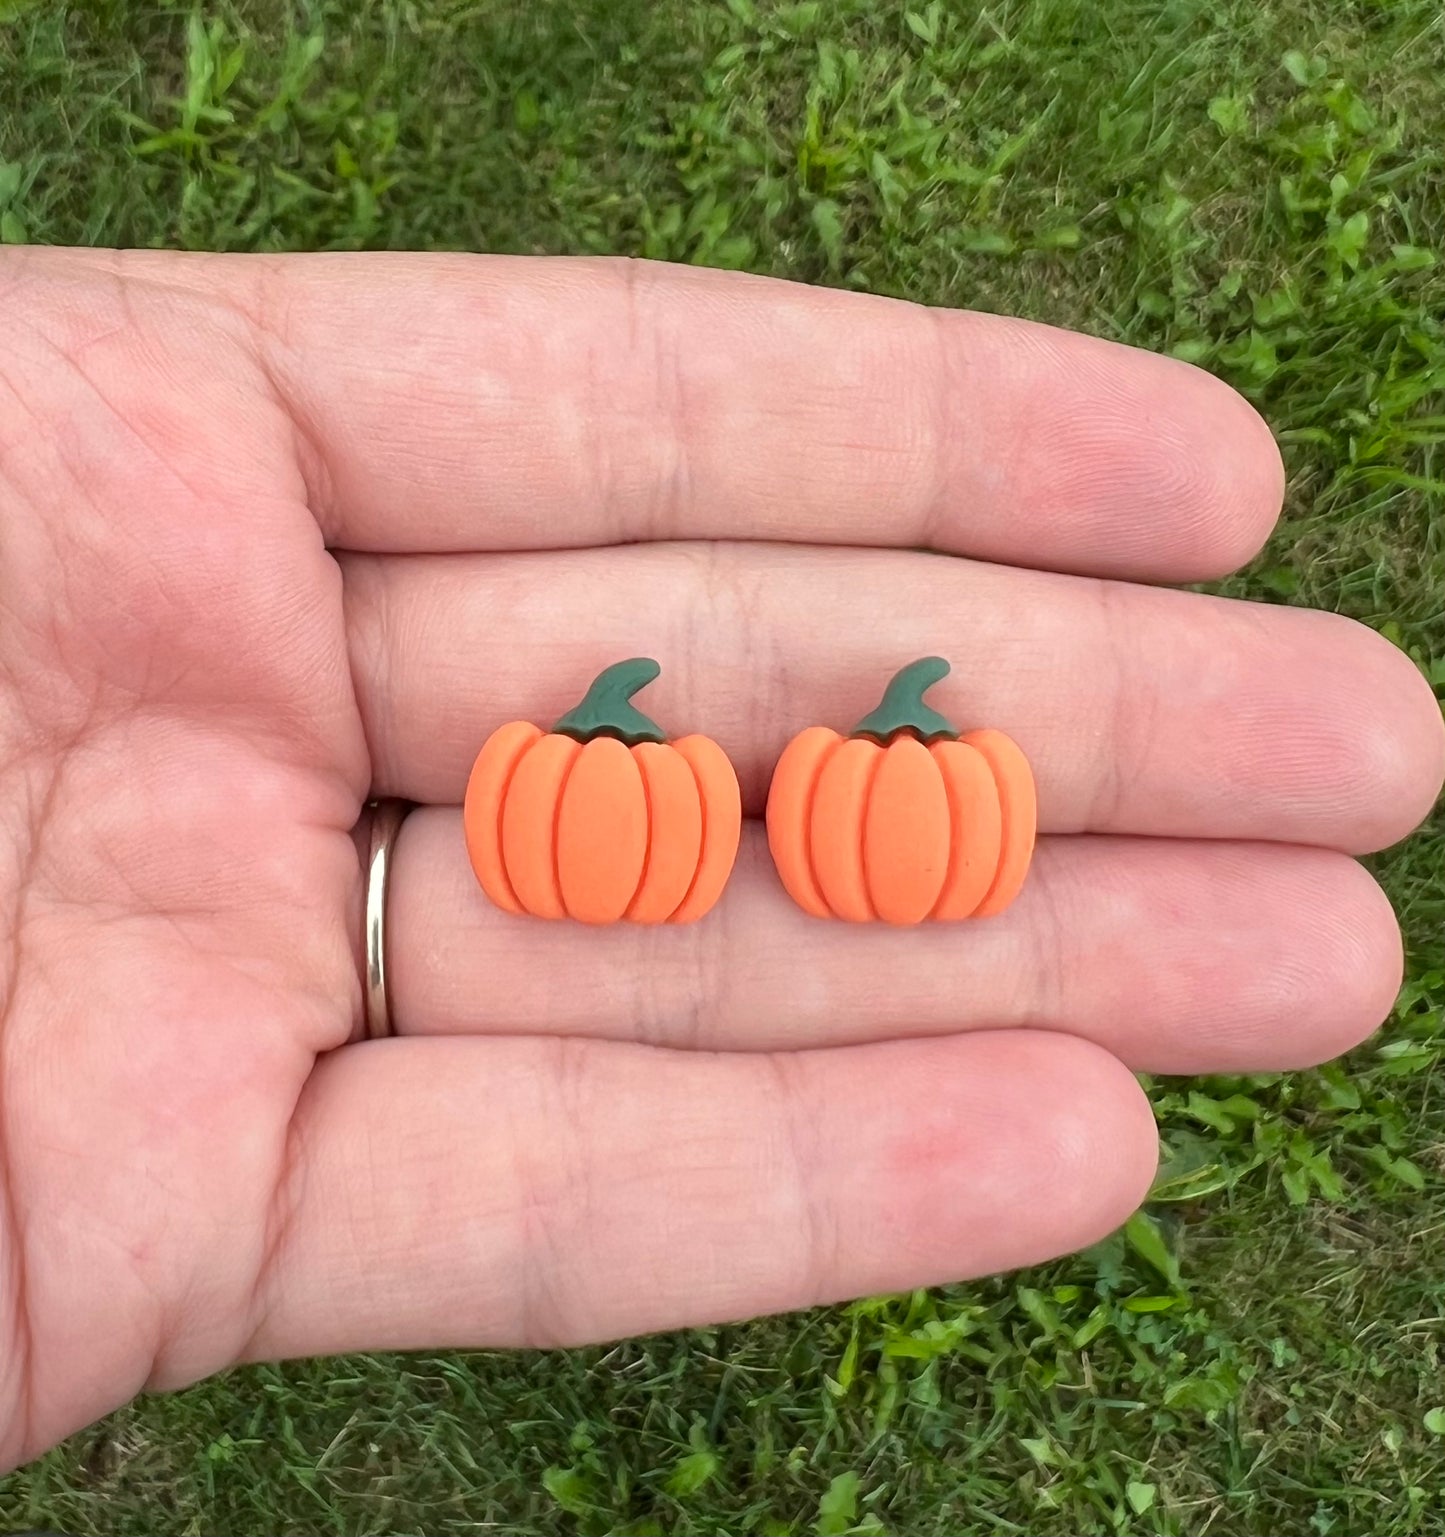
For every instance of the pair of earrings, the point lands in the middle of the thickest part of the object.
(605, 820)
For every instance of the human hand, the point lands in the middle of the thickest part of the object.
(588, 1133)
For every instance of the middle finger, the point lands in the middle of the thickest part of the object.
(1143, 711)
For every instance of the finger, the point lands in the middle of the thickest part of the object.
(1142, 711)
(526, 1192)
(1176, 957)
(456, 403)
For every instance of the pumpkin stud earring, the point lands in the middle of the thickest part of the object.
(602, 818)
(905, 819)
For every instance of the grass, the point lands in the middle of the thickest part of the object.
(1257, 185)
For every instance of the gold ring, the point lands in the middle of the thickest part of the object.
(386, 819)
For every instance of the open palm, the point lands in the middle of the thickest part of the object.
(276, 536)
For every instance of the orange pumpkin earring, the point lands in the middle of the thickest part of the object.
(904, 820)
(602, 818)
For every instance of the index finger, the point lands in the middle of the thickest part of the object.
(469, 403)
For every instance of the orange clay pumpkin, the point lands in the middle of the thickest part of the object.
(602, 819)
(905, 819)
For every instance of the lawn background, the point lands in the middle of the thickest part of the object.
(1259, 187)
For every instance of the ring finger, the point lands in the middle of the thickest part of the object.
(1175, 956)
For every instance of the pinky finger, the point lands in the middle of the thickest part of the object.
(511, 1191)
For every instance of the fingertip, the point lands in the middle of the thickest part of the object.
(1096, 1137)
(1049, 1130)
(1362, 954)
(1242, 478)
(1216, 466)
(1154, 467)
(1324, 981)
(1394, 762)
(1416, 751)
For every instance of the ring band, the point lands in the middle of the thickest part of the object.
(386, 819)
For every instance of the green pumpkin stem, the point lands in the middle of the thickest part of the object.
(902, 707)
(605, 710)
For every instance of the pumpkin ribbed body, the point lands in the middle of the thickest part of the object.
(902, 831)
(601, 831)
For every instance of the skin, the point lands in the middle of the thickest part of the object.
(279, 534)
